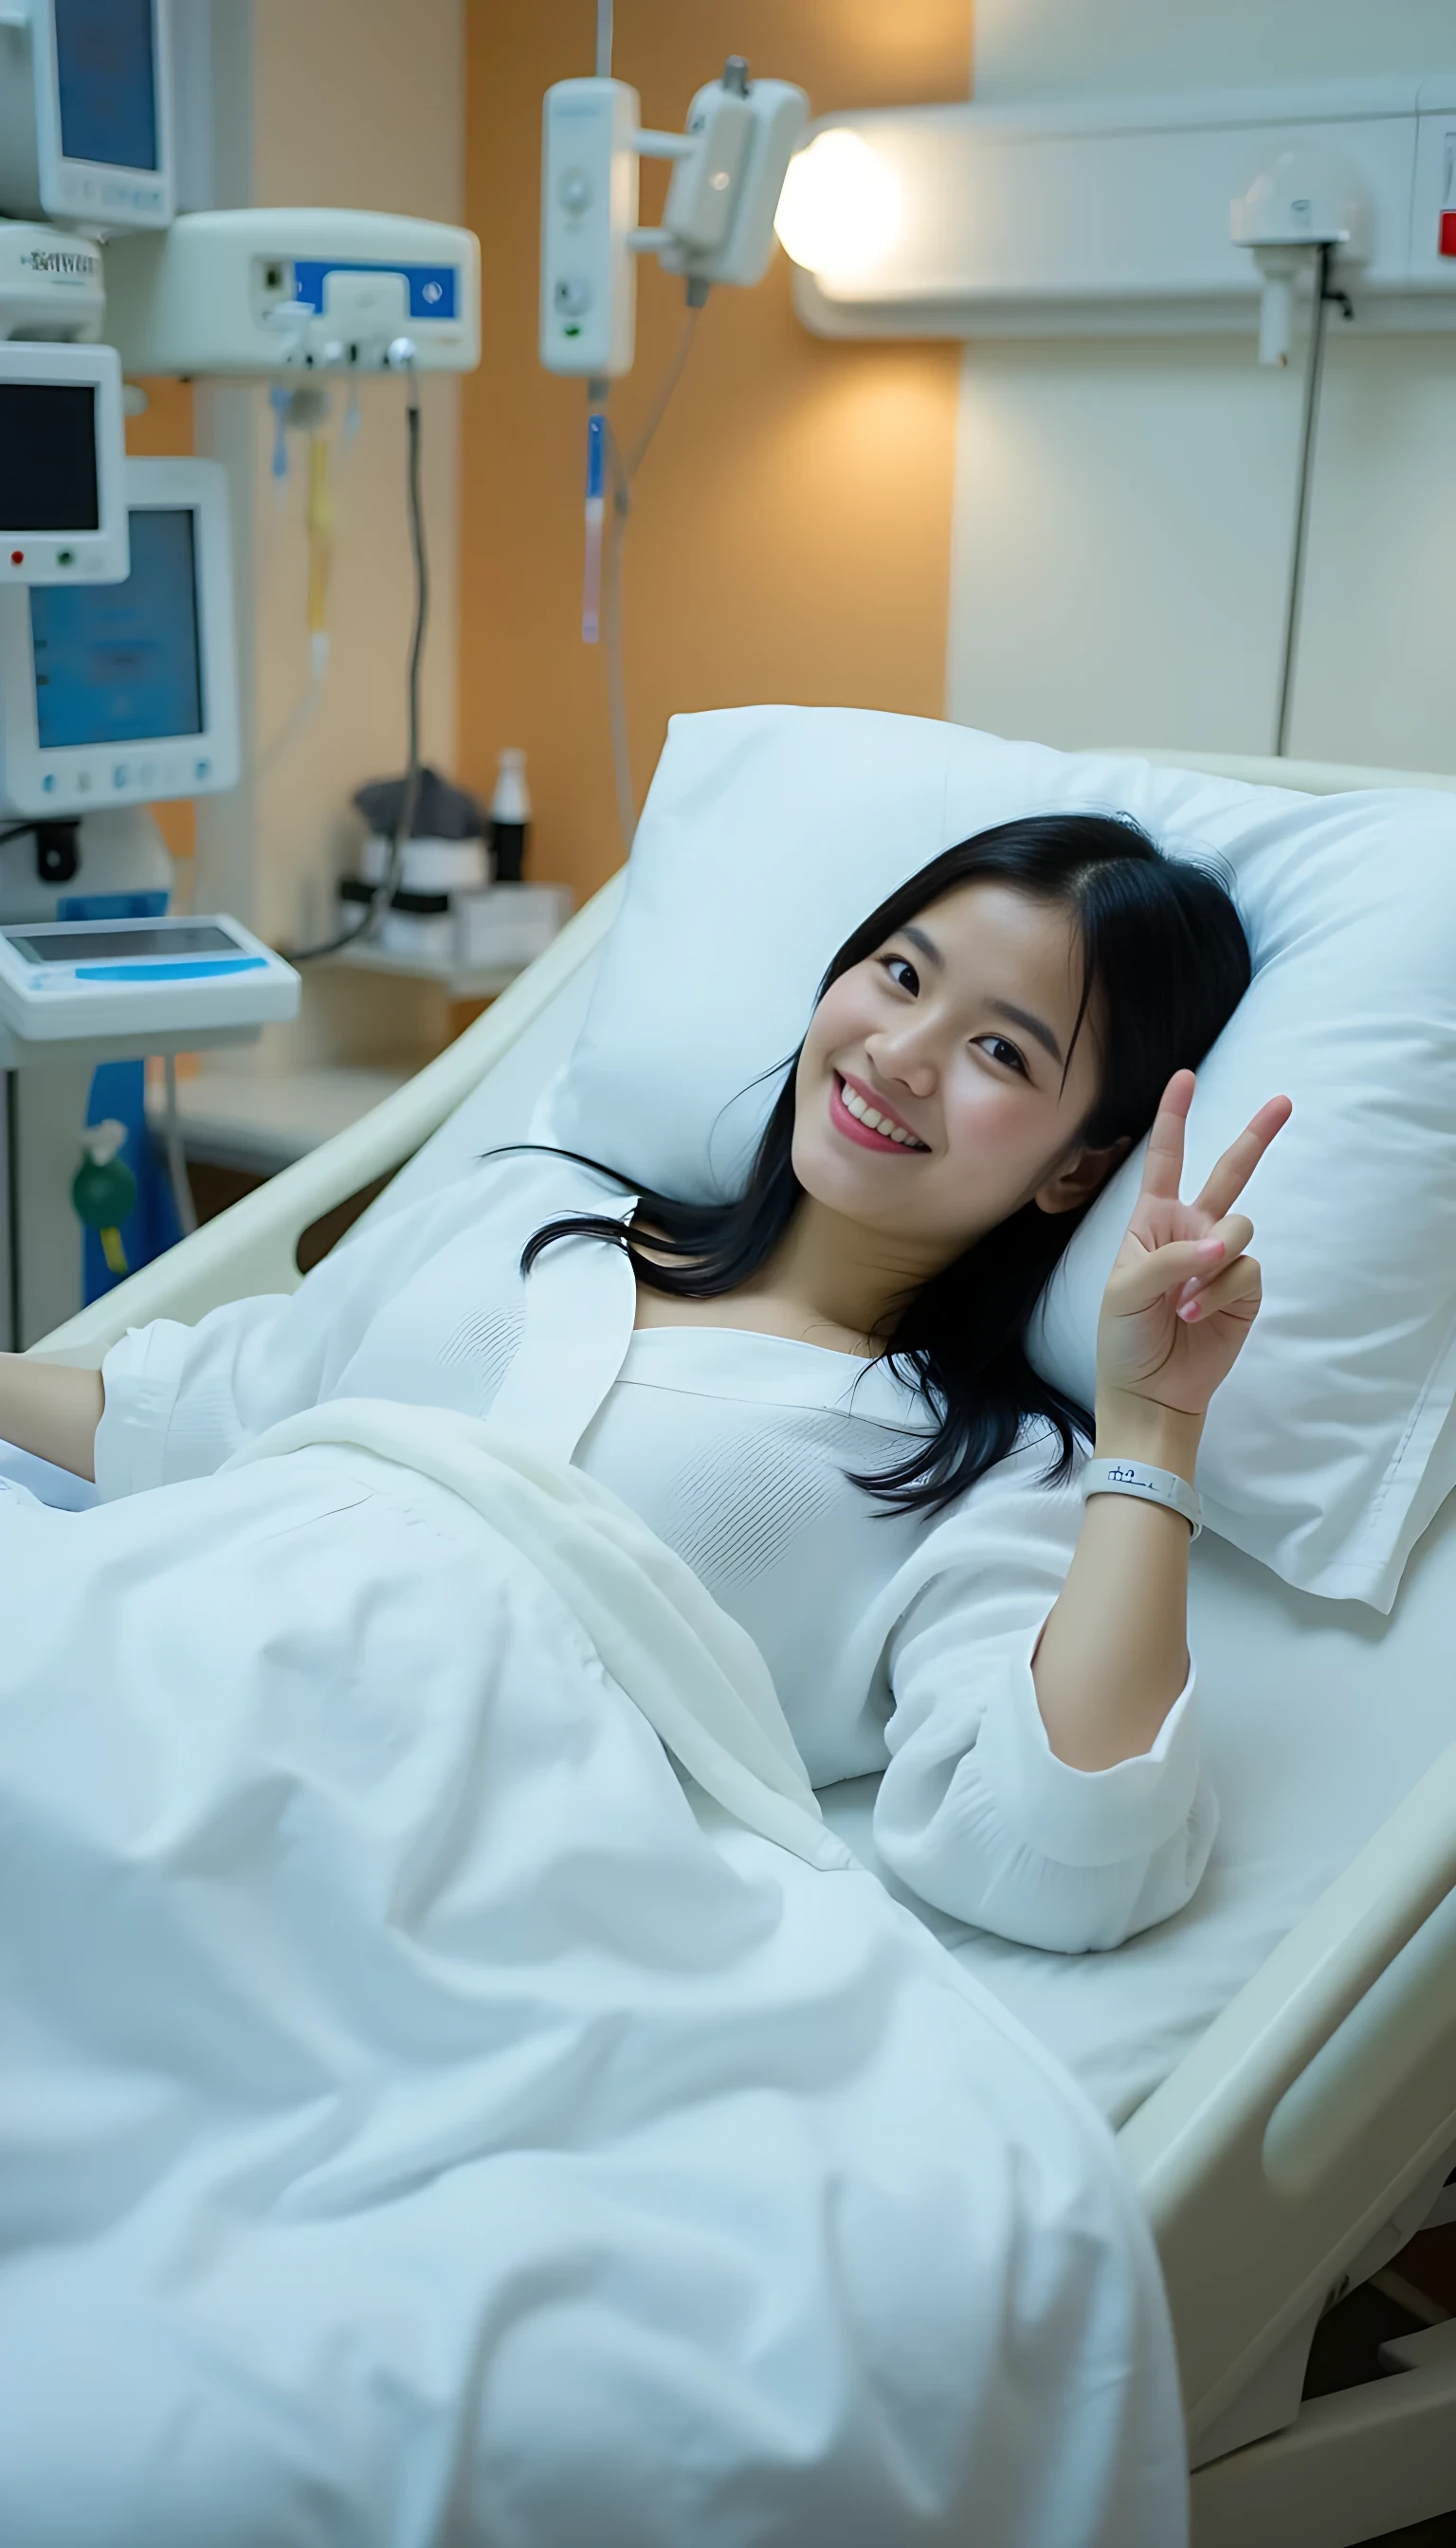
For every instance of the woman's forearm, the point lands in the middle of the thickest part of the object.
(52, 1409)
(1114, 1654)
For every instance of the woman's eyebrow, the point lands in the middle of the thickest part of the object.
(927, 945)
(1034, 1026)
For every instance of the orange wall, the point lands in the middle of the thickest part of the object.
(790, 531)
(162, 431)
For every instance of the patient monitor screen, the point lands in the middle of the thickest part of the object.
(120, 663)
(47, 457)
(107, 82)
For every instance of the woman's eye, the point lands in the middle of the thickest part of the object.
(1003, 1053)
(902, 973)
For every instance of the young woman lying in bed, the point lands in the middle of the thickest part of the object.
(818, 1394)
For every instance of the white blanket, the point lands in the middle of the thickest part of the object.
(427, 2116)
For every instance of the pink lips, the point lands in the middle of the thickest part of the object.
(853, 1131)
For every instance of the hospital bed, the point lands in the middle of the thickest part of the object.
(1280, 2060)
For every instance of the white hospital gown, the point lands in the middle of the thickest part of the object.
(898, 1643)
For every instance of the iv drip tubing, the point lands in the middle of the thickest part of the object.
(1313, 377)
(405, 823)
(603, 38)
(624, 472)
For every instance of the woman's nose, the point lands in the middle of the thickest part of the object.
(905, 1058)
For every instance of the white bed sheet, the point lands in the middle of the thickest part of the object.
(1317, 1718)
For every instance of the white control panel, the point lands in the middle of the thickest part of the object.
(256, 293)
(65, 980)
(589, 211)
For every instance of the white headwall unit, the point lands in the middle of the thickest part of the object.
(1125, 507)
(1113, 216)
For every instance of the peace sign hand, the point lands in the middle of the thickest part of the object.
(1183, 1292)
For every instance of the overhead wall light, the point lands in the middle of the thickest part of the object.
(1111, 215)
(841, 209)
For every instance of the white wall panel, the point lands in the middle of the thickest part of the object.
(1125, 508)
(1121, 510)
(1026, 48)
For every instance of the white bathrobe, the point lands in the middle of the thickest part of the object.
(896, 1642)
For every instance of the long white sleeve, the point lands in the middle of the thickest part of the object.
(180, 1400)
(975, 1812)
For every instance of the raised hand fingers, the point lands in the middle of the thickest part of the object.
(1221, 1248)
(1163, 1166)
(1229, 1175)
(1238, 1290)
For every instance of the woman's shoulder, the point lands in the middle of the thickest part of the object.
(539, 1185)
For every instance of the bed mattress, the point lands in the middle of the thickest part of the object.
(1317, 1718)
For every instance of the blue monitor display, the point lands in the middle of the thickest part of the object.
(107, 79)
(121, 662)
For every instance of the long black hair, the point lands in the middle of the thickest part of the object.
(1164, 964)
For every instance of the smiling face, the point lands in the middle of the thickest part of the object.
(933, 1096)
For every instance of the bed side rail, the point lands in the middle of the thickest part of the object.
(251, 1246)
(1293, 2130)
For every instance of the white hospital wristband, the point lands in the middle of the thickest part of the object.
(1153, 1486)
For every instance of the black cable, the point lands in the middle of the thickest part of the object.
(11, 1206)
(404, 821)
(1313, 378)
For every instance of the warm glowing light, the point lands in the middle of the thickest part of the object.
(840, 209)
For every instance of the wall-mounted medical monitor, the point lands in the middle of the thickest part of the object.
(117, 694)
(63, 455)
(85, 113)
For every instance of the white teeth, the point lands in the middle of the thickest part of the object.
(875, 1122)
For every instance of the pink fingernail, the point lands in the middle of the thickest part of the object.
(1210, 1247)
(1191, 1309)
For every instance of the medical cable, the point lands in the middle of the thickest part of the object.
(1324, 294)
(603, 38)
(176, 1155)
(624, 472)
(389, 883)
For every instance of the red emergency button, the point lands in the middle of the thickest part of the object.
(17, 557)
(1448, 234)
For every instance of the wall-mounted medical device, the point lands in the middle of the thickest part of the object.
(123, 693)
(85, 112)
(63, 980)
(62, 503)
(718, 224)
(1114, 217)
(1303, 201)
(51, 288)
(266, 291)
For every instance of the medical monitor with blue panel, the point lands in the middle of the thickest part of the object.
(84, 120)
(124, 693)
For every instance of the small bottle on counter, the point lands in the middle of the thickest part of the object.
(511, 817)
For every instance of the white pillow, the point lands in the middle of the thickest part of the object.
(769, 833)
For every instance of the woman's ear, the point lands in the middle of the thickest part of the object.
(1084, 1174)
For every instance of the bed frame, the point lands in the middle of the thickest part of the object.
(1313, 2128)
